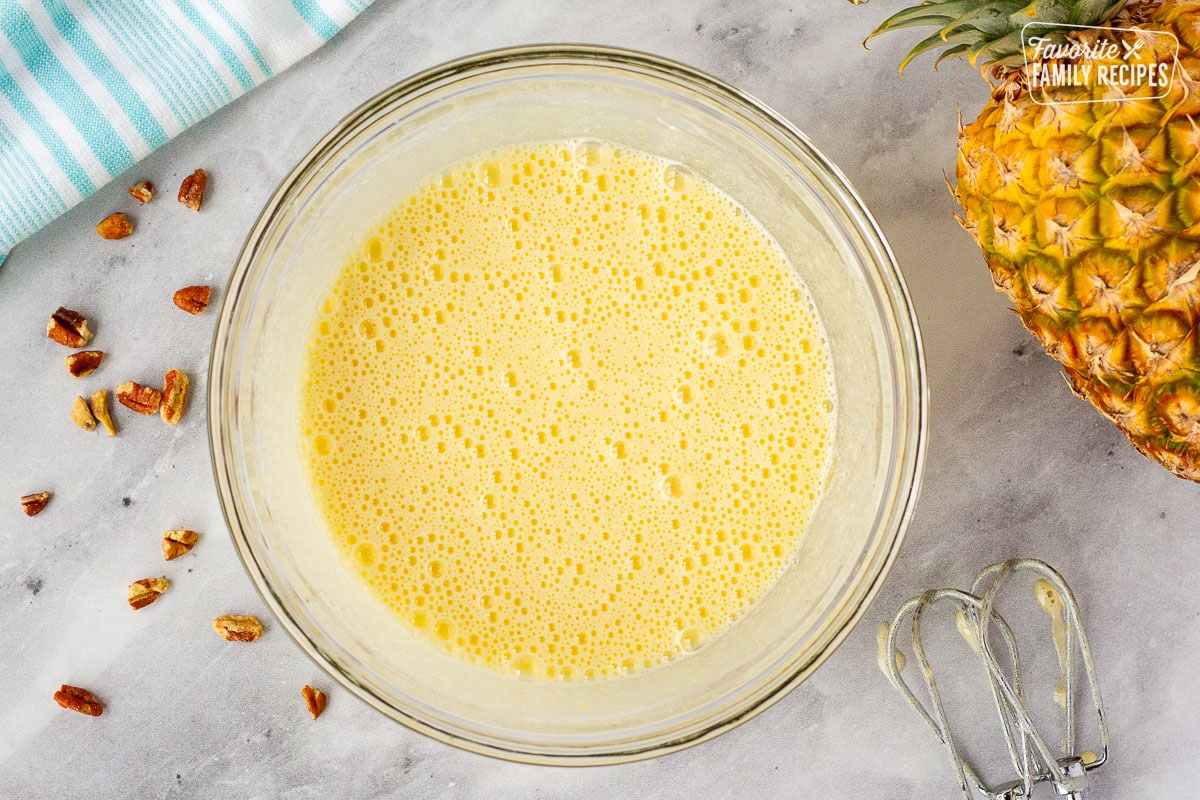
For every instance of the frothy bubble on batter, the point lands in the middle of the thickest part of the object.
(567, 410)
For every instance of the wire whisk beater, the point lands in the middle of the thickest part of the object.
(1065, 767)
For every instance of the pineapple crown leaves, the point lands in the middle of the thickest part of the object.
(988, 32)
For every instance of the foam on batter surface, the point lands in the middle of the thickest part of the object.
(567, 410)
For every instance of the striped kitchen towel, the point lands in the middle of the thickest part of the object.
(89, 87)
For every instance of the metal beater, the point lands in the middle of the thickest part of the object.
(978, 622)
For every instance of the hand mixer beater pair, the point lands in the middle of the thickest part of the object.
(979, 623)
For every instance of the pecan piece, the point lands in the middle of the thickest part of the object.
(114, 226)
(81, 415)
(99, 406)
(178, 543)
(32, 504)
(142, 399)
(144, 592)
(84, 362)
(191, 191)
(193, 299)
(314, 699)
(80, 700)
(68, 328)
(142, 191)
(174, 396)
(236, 628)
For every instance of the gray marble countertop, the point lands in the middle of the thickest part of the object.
(1016, 465)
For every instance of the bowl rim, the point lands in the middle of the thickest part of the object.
(906, 486)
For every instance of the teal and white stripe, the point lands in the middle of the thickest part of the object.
(89, 87)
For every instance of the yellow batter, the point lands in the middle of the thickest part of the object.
(568, 410)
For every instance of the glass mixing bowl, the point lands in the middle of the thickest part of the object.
(323, 210)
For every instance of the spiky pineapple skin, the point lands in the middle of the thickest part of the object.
(1088, 216)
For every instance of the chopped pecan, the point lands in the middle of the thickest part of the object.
(144, 592)
(191, 191)
(80, 700)
(99, 407)
(142, 399)
(32, 504)
(174, 396)
(178, 543)
(236, 628)
(68, 328)
(314, 699)
(142, 191)
(114, 226)
(193, 299)
(81, 415)
(84, 362)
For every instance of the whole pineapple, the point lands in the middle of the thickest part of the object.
(1088, 215)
